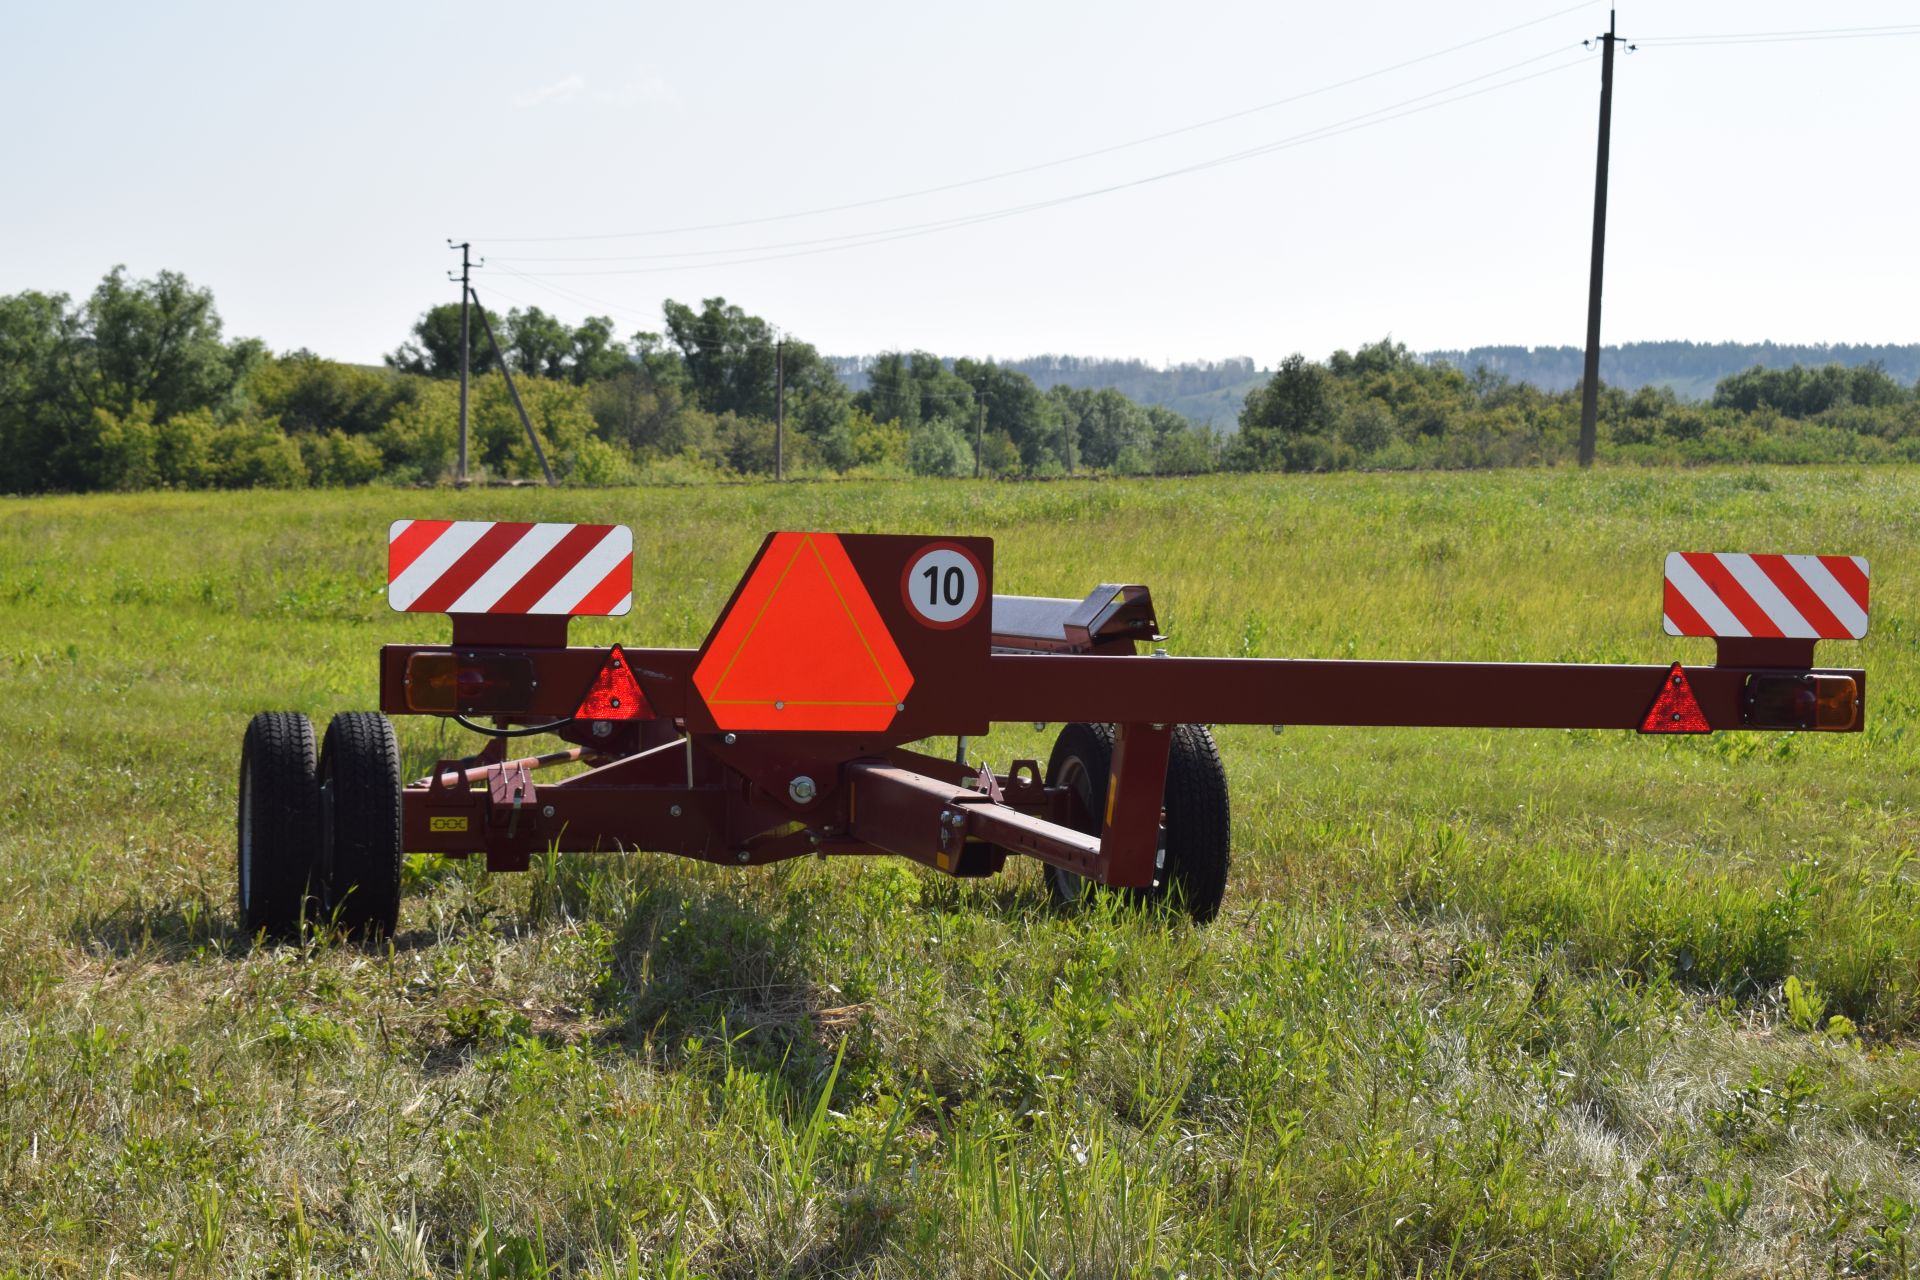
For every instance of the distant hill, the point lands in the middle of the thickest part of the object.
(1213, 391)
(1690, 369)
(1206, 391)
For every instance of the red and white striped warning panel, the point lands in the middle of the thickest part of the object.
(1792, 597)
(498, 566)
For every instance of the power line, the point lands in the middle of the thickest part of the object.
(1048, 164)
(1365, 120)
(1890, 29)
(942, 223)
(1762, 37)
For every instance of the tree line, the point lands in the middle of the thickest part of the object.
(136, 386)
(1382, 407)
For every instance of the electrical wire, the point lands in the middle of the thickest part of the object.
(1046, 164)
(491, 732)
(1779, 37)
(942, 223)
(1352, 124)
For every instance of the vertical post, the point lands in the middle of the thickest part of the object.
(979, 433)
(466, 346)
(1590, 381)
(493, 344)
(780, 409)
(1066, 440)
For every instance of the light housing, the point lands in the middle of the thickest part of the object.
(1821, 701)
(469, 683)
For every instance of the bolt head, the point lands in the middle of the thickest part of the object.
(779, 706)
(674, 812)
(729, 739)
(744, 855)
(802, 789)
(602, 728)
(546, 811)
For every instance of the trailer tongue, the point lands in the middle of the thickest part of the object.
(787, 732)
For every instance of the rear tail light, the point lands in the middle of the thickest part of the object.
(469, 683)
(1801, 701)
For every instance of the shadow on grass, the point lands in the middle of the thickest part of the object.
(171, 931)
(181, 930)
(697, 966)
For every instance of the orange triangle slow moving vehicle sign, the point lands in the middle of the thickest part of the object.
(803, 647)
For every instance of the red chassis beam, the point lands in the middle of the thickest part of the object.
(1110, 689)
(735, 798)
(1308, 691)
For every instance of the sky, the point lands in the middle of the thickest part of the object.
(1270, 177)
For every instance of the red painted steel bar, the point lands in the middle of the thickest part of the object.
(1130, 827)
(1302, 691)
(923, 818)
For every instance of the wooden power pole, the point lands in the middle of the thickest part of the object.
(1590, 379)
(780, 409)
(466, 347)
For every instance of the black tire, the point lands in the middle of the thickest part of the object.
(1196, 831)
(1082, 761)
(360, 823)
(277, 843)
(1199, 832)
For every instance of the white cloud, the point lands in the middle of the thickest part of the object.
(559, 91)
(647, 89)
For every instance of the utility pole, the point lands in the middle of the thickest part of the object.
(1590, 381)
(466, 346)
(780, 409)
(979, 433)
(1066, 440)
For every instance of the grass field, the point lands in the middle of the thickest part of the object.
(1480, 1003)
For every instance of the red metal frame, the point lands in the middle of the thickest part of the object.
(682, 782)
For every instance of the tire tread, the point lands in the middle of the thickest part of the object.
(360, 759)
(277, 780)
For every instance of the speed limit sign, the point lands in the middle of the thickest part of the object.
(942, 585)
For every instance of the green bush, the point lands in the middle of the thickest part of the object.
(939, 449)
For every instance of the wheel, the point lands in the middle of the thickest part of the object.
(1195, 833)
(360, 823)
(1199, 832)
(278, 845)
(1082, 761)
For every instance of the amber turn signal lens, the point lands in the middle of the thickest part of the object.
(470, 683)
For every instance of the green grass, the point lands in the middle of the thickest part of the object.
(1480, 1003)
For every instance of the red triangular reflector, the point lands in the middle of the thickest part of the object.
(1676, 710)
(614, 693)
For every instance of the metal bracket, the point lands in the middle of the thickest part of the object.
(511, 784)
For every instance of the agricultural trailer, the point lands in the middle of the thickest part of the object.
(797, 729)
